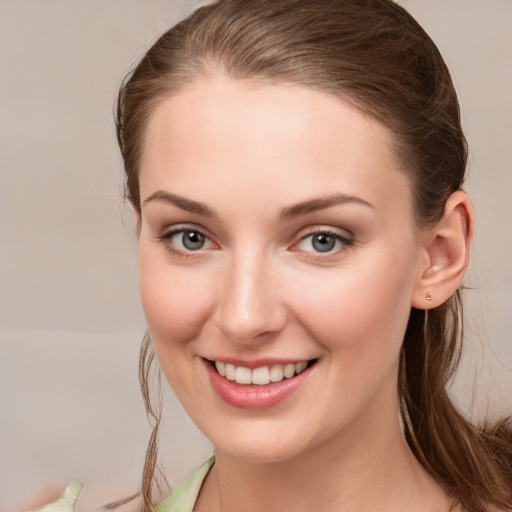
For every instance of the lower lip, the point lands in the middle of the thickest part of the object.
(253, 396)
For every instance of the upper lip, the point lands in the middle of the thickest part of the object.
(257, 363)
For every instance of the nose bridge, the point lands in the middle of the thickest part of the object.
(249, 305)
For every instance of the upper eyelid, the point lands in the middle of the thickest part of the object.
(314, 230)
(326, 231)
(171, 231)
(344, 239)
(300, 235)
(166, 236)
(178, 228)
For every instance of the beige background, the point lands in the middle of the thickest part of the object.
(70, 316)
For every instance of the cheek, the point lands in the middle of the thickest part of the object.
(363, 309)
(359, 319)
(175, 302)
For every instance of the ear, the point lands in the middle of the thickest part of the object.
(447, 247)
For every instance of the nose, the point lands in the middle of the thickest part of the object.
(250, 306)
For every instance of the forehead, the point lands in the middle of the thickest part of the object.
(226, 134)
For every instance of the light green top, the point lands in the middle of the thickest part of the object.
(67, 502)
(182, 499)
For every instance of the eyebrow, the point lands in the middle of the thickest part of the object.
(286, 213)
(320, 203)
(183, 203)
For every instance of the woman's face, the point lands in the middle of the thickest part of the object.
(276, 233)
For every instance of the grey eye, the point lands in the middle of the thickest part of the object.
(192, 240)
(323, 242)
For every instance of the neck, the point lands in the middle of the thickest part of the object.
(367, 467)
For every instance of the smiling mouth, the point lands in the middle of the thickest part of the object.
(263, 375)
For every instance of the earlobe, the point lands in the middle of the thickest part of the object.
(447, 247)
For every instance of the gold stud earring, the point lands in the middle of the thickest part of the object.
(428, 296)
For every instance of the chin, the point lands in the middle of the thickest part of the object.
(260, 453)
(261, 443)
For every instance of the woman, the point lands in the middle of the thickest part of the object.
(296, 171)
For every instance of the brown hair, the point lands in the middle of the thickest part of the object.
(374, 54)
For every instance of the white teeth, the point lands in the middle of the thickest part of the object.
(276, 373)
(243, 375)
(300, 367)
(221, 368)
(230, 371)
(259, 376)
(289, 371)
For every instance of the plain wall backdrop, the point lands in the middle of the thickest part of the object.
(70, 315)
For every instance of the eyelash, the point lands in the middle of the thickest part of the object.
(167, 237)
(343, 242)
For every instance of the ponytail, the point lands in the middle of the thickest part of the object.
(472, 463)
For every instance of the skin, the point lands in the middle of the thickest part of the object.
(259, 289)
